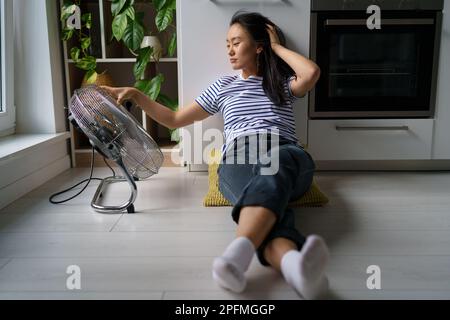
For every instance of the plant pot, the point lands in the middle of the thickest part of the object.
(153, 41)
(103, 79)
(175, 135)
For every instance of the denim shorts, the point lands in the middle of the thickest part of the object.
(243, 183)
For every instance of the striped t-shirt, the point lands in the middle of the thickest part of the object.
(246, 109)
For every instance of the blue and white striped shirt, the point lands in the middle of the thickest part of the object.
(246, 109)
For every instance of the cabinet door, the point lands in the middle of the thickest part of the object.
(202, 30)
(384, 139)
(441, 148)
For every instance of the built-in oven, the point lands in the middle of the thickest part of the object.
(390, 72)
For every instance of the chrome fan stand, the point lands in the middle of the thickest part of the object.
(129, 206)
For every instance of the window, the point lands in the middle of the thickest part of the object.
(1, 57)
(7, 109)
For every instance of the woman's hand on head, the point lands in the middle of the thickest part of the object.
(274, 40)
(122, 94)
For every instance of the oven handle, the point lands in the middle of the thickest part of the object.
(370, 128)
(359, 22)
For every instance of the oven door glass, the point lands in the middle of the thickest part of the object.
(382, 70)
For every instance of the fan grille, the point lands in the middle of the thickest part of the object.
(113, 130)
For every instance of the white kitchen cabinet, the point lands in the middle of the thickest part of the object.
(441, 145)
(380, 139)
(202, 27)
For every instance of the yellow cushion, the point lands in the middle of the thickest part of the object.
(214, 198)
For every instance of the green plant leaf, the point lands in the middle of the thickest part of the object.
(67, 34)
(133, 35)
(172, 44)
(151, 87)
(163, 19)
(168, 102)
(75, 54)
(85, 43)
(90, 77)
(130, 12)
(117, 6)
(119, 26)
(142, 61)
(87, 19)
(143, 86)
(159, 4)
(67, 10)
(171, 4)
(87, 63)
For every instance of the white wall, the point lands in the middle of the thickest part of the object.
(39, 93)
(441, 141)
(202, 29)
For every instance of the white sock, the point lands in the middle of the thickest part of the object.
(305, 270)
(228, 269)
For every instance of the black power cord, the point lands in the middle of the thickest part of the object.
(128, 105)
(85, 180)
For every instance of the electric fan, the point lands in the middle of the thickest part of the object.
(116, 135)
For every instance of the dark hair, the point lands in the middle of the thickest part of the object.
(271, 67)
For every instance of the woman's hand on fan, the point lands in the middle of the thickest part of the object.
(122, 94)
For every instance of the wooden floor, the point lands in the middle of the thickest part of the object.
(397, 221)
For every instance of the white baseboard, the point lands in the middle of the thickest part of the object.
(198, 167)
(366, 165)
(21, 187)
(383, 165)
(29, 161)
(24, 165)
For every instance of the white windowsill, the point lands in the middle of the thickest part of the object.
(20, 145)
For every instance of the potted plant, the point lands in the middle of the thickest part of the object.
(75, 24)
(128, 27)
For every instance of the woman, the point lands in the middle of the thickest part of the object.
(255, 104)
